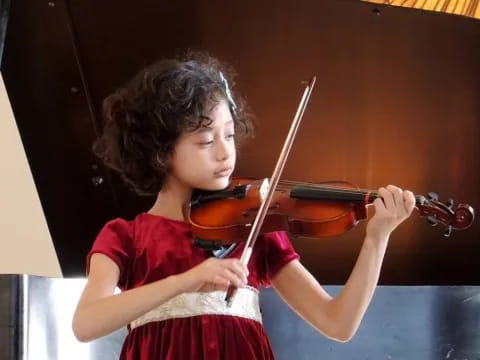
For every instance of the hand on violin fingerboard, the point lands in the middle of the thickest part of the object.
(392, 206)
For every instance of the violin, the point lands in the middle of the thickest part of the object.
(303, 209)
(249, 207)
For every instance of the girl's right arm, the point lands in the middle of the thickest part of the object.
(99, 312)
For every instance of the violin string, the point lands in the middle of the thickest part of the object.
(329, 189)
(287, 184)
(284, 184)
(319, 185)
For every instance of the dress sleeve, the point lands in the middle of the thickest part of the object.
(278, 252)
(114, 241)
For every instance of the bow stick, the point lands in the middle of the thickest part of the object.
(282, 159)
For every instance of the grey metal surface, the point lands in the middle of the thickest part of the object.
(411, 323)
(48, 332)
(402, 322)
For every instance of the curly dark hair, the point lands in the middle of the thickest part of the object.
(145, 117)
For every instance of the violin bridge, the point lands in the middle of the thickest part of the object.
(263, 189)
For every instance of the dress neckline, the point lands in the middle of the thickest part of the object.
(164, 218)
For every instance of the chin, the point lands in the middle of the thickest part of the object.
(216, 184)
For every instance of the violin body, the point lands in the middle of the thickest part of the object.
(307, 210)
(248, 207)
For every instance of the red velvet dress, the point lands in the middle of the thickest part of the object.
(149, 248)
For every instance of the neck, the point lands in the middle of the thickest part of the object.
(172, 200)
(319, 192)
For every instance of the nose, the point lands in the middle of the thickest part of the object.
(223, 150)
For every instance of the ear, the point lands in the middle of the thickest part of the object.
(167, 162)
(160, 162)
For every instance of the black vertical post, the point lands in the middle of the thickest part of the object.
(10, 317)
(4, 11)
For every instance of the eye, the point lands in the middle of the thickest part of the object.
(205, 143)
(231, 136)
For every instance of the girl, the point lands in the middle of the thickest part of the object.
(170, 131)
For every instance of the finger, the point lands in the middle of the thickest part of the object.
(209, 288)
(215, 287)
(240, 269)
(409, 201)
(236, 267)
(379, 205)
(387, 198)
(224, 273)
(398, 199)
(221, 280)
(235, 279)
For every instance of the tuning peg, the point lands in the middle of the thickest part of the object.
(448, 231)
(432, 220)
(432, 196)
(420, 199)
(450, 204)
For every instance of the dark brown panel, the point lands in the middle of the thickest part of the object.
(396, 101)
(49, 101)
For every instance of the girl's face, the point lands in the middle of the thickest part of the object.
(204, 159)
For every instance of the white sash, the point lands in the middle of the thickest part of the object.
(245, 304)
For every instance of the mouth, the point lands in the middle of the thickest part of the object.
(223, 172)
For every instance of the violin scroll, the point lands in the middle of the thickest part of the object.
(453, 217)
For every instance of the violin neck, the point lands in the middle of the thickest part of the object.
(305, 192)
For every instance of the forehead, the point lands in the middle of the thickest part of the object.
(219, 115)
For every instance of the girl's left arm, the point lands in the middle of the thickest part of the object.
(339, 318)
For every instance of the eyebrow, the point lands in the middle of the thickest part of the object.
(209, 128)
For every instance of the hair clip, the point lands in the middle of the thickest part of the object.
(233, 106)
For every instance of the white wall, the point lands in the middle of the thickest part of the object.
(26, 246)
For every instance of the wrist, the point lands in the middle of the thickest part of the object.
(377, 241)
(378, 233)
(181, 282)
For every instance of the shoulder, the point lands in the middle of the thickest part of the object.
(277, 239)
(119, 225)
(118, 231)
(123, 227)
